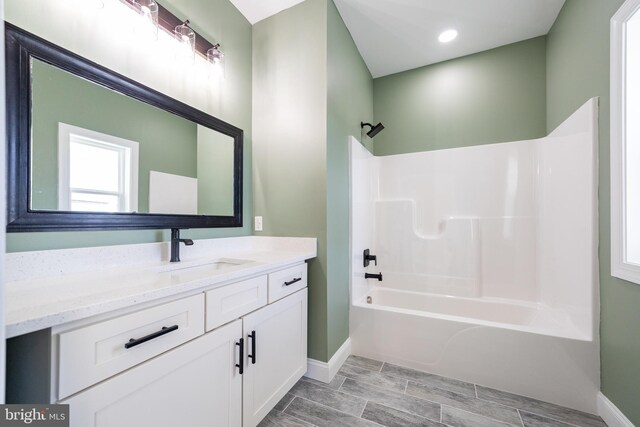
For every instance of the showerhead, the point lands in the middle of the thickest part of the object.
(374, 129)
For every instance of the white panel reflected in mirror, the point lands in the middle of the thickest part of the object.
(625, 142)
(172, 194)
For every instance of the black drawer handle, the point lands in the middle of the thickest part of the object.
(240, 365)
(252, 356)
(296, 280)
(165, 330)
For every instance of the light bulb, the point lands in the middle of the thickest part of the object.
(187, 42)
(448, 36)
(216, 60)
(148, 22)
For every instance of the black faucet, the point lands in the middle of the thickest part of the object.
(175, 244)
(373, 276)
(367, 257)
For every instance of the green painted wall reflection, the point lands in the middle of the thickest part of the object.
(167, 143)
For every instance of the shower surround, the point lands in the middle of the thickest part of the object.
(489, 260)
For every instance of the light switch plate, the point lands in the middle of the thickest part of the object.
(258, 223)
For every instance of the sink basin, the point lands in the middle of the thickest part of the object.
(202, 266)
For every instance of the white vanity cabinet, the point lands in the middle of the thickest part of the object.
(233, 353)
(276, 338)
(195, 385)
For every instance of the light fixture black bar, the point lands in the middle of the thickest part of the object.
(168, 21)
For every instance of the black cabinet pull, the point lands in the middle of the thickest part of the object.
(296, 280)
(165, 330)
(240, 365)
(252, 356)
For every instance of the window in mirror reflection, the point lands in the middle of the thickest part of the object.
(97, 172)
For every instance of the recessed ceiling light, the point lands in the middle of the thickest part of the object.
(447, 36)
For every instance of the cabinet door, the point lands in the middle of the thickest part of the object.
(280, 358)
(195, 385)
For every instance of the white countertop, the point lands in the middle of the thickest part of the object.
(51, 288)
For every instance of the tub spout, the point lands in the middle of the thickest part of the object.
(373, 276)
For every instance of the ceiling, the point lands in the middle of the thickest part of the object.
(399, 35)
(257, 10)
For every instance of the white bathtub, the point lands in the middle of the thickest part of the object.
(524, 348)
(489, 260)
(495, 312)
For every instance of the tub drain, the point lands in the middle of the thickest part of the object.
(369, 300)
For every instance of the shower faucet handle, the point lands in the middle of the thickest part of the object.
(367, 258)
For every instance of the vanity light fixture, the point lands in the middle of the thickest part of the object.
(216, 60)
(148, 10)
(447, 36)
(187, 41)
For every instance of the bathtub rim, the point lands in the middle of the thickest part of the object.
(577, 336)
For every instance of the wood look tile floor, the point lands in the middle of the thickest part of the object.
(367, 392)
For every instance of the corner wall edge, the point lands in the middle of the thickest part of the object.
(325, 371)
(611, 414)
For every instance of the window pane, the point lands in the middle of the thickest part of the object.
(632, 166)
(92, 167)
(94, 202)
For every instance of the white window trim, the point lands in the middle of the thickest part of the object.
(619, 267)
(64, 137)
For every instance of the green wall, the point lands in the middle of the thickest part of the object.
(349, 101)
(215, 172)
(492, 96)
(577, 70)
(311, 90)
(218, 20)
(167, 143)
(290, 150)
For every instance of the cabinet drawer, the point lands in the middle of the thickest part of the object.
(288, 281)
(194, 385)
(233, 301)
(90, 354)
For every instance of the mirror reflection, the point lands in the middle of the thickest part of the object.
(97, 150)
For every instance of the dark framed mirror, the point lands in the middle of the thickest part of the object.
(90, 149)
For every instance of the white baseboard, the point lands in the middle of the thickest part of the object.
(611, 414)
(325, 371)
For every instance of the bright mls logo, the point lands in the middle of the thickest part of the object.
(34, 415)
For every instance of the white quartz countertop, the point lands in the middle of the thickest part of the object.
(50, 289)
